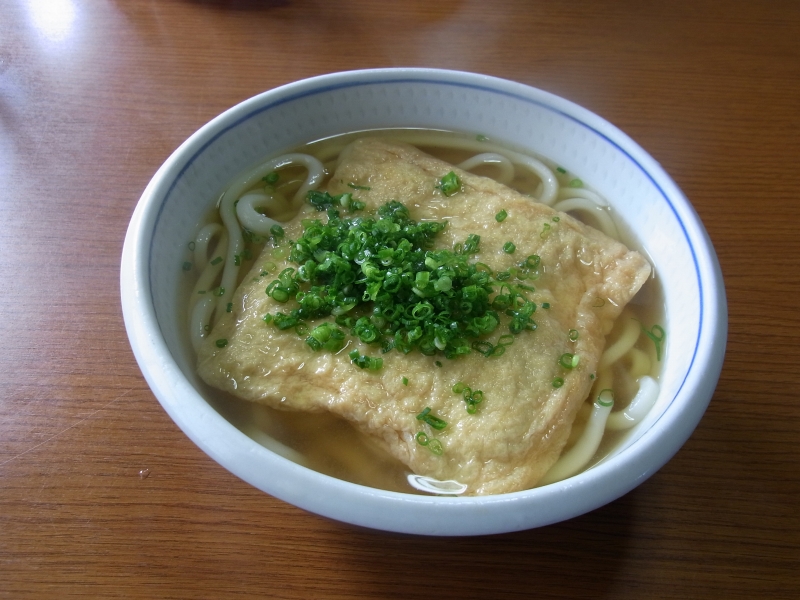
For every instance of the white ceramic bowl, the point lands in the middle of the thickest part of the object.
(187, 184)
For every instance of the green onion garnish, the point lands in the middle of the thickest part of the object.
(472, 398)
(509, 247)
(569, 361)
(187, 266)
(501, 216)
(605, 398)
(481, 138)
(323, 201)
(380, 280)
(358, 187)
(277, 231)
(365, 362)
(450, 184)
(229, 307)
(576, 183)
(221, 343)
(271, 178)
(216, 260)
(558, 382)
(656, 334)
(573, 335)
(561, 170)
(435, 446)
(405, 380)
(430, 419)
(432, 444)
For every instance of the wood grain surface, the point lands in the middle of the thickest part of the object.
(102, 496)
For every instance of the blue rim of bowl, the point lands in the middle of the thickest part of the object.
(310, 87)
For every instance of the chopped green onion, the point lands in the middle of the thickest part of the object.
(229, 307)
(532, 262)
(430, 419)
(277, 231)
(569, 361)
(509, 247)
(221, 343)
(365, 362)
(483, 347)
(545, 305)
(561, 170)
(558, 382)
(576, 183)
(472, 398)
(432, 444)
(605, 398)
(573, 335)
(545, 230)
(505, 340)
(656, 334)
(280, 294)
(323, 201)
(271, 178)
(216, 260)
(283, 321)
(191, 246)
(471, 243)
(435, 446)
(187, 266)
(358, 187)
(405, 380)
(501, 216)
(380, 279)
(481, 138)
(450, 184)
(220, 291)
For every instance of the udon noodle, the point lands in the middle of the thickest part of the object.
(250, 210)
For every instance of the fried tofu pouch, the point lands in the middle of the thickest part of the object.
(524, 421)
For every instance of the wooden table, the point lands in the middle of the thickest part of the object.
(95, 94)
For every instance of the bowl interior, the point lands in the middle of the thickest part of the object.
(186, 187)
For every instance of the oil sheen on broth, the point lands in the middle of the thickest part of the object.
(331, 445)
